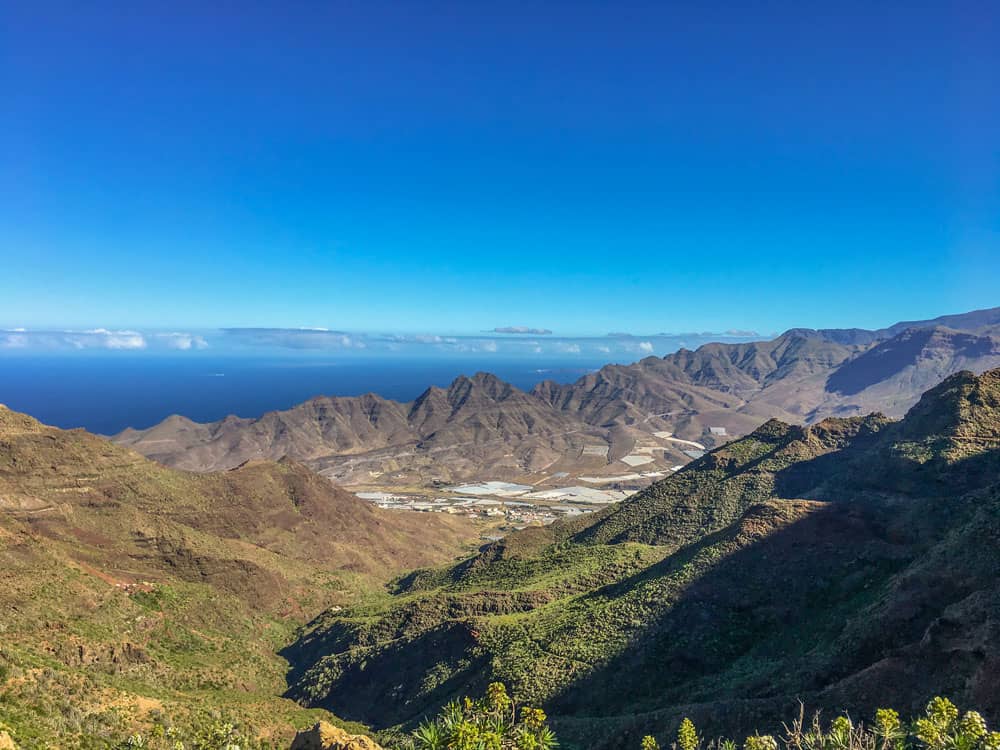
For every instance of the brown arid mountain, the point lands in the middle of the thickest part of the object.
(587, 427)
(849, 564)
(716, 385)
(130, 590)
(801, 376)
(445, 434)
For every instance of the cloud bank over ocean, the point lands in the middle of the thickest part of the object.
(95, 338)
(523, 330)
(512, 342)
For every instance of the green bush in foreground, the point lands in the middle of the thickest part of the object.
(490, 723)
(940, 728)
(495, 722)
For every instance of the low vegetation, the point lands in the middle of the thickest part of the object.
(136, 599)
(942, 727)
(496, 722)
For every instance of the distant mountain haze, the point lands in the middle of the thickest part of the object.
(803, 375)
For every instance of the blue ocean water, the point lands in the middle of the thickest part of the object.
(107, 393)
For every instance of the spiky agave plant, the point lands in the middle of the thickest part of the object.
(489, 723)
(430, 735)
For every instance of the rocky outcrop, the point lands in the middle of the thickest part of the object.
(7, 742)
(114, 657)
(325, 736)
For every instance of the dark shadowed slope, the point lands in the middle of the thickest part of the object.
(916, 357)
(849, 563)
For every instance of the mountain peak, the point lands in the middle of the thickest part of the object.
(486, 378)
(492, 384)
(464, 387)
(13, 422)
(974, 321)
(774, 430)
(964, 406)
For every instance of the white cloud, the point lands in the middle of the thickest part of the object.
(416, 338)
(646, 347)
(296, 338)
(568, 348)
(95, 338)
(182, 341)
(523, 330)
(102, 337)
(604, 349)
(488, 346)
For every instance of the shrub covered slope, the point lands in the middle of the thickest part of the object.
(850, 564)
(134, 596)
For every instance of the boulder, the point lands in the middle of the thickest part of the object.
(325, 736)
(7, 742)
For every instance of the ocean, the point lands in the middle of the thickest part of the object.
(105, 393)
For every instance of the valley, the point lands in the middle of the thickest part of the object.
(579, 446)
(133, 594)
(840, 564)
(363, 562)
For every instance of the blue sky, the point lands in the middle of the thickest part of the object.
(454, 167)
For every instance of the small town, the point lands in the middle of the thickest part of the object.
(518, 505)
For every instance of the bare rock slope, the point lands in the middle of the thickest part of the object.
(450, 433)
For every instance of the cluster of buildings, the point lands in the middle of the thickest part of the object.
(516, 504)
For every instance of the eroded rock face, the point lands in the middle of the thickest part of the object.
(114, 657)
(325, 736)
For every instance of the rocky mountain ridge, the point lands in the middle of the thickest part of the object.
(450, 434)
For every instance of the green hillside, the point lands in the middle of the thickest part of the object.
(134, 596)
(850, 564)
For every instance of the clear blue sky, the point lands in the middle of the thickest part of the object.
(420, 166)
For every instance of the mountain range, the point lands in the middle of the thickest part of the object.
(847, 564)
(450, 434)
